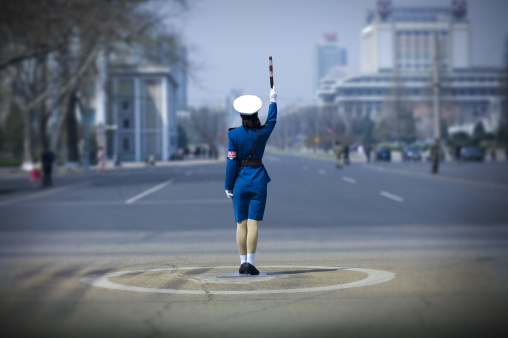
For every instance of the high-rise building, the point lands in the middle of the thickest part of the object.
(402, 37)
(397, 53)
(327, 55)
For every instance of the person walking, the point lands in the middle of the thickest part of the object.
(458, 153)
(337, 150)
(101, 161)
(35, 173)
(246, 177)
(367, 150)
(47, 159)
(346, 153)
(434, 156)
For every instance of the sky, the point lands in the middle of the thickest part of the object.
(229, 42)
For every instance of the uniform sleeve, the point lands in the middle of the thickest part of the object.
(231, 166)
(272, 117)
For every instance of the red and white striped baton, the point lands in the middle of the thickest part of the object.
(271, 71)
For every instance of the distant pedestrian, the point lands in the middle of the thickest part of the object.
(338, 150)
(434, 156)
(35, 173)
(493, 155)
(47, 159)
(367, 150)
(346, 154)
(151, 160)
(458, 153)
(117, 161)
(101, 161)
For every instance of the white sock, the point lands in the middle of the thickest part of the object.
(250, 258)
(243, 259)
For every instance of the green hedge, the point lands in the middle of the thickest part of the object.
(10, 162)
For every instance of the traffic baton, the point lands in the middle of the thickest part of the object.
(271, 71)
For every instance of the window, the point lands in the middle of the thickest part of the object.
(125, 105)
(126, 123)
(126, 144)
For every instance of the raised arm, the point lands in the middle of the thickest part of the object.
(272, 110)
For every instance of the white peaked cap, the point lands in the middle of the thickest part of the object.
(248, 104)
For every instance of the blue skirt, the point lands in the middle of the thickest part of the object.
(249, 202)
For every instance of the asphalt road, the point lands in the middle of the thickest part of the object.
(443, 240)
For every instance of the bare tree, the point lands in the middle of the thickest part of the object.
(59, 41)
(211, 126)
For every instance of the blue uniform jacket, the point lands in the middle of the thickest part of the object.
(241, 142)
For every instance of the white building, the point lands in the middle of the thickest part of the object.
(143, 112)
(402, 37)
(397, 51)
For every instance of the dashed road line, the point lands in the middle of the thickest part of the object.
(191, 201)
(482, 184)
(348, 179)
(148, 192)
(391, 196)
(188, 173)
(322, 172)
(122, 203)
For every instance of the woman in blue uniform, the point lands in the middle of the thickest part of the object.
(246, 176)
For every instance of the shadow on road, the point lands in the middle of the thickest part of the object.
(297, 272)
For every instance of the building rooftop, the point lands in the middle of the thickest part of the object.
(385, 12)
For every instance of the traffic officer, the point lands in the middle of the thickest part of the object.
(246, 176)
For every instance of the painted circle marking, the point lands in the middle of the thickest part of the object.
(373, 277)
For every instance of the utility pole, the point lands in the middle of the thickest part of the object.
(437, 87)
(436, 148)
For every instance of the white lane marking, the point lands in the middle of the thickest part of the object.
(147, 192)
(122, 203)
(188, 173)
(41, 194)
(391, 196)
(306, 168)
(373, 277)
(322, 172)
(194, 201)
(482, 184)
(348, 179)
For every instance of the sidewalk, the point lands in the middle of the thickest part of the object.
(13, 173)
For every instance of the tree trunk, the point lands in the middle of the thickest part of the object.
(43, 120)
(27, 138)
(71, 125)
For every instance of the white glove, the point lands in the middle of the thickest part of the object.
(229, 193)
(273, 95)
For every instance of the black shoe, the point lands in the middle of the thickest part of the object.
(253, 270)
(244, 269)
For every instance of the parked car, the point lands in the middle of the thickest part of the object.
(384, 154)
(472, 154)
(411, 154)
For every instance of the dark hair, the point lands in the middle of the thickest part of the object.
(250, 121)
